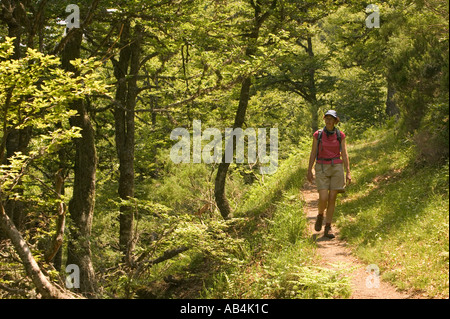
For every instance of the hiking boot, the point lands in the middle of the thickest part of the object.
(328, 233)
(319, 221)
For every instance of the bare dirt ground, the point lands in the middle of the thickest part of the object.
(334, 254)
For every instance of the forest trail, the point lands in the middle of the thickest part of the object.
(335, 253)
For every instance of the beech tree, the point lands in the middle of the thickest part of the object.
(261, 12)
(35, 92)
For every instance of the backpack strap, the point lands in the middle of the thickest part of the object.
(339, 138)
(319, 139)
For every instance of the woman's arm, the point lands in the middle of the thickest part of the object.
(346, 161)
(312, 159)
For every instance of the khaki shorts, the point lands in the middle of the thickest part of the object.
(331, 177)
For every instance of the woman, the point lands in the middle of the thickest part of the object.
(328, 146)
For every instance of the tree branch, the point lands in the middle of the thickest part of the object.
(15, 291)
(168, 254)
(43, 285)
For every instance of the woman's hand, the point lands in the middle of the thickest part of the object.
(348, 178)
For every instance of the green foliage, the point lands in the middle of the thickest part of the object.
(185, 188)
(35, 92)
(288, 282)
(160, 230)
(409, 53)
(359, 97)
(268, 108)
(432, 137)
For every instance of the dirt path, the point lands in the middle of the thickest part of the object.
(335, 253)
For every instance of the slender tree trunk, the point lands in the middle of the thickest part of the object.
(13, 18)
(219, 191)
(60, 188)
(126, 94)
(81, 206)
(57, 239)
(391, 105)
(17, 141)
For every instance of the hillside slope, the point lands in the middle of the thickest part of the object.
(396, 213)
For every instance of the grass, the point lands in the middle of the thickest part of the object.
(396, 214)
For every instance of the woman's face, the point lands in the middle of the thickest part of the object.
(330, 122)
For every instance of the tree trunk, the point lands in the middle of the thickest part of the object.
(12, 216)
(57, 240)
(60, 188)
(219, 191)
(17, 141)
(126, 95)
(81, 206)
(391, 105)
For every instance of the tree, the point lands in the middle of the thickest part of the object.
(14, 15)
(251, 41)
(35, 92)
(81, 206)
(129, 63)
(404, 62)
(126, 71)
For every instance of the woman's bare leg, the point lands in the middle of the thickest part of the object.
(331, 205)
(323, 200)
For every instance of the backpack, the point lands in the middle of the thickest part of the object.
(319, 139)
